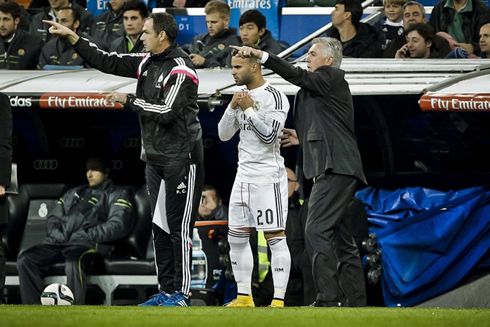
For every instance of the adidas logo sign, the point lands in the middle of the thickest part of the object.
(181, 189)
(145, 73)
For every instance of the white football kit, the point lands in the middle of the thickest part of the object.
(259, 197)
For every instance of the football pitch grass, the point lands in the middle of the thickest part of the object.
(126, 316)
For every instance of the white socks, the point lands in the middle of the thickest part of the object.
(280, 265)
(242, 260)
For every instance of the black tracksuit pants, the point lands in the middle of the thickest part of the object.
(34, 263)
(175, 194)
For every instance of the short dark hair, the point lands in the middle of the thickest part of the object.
(234, 52)
(163, 21)
(415, 3)
(425, 30)
(136, 5)
(10, 8)
(208, 187)
(355, 9)
(253, 16)
(74, 13)
(98, 164)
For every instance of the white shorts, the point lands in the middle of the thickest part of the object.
(260, 206)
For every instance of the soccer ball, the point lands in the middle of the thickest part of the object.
(57, 294)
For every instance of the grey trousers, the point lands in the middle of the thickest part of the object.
(34, 263)
(336, 265)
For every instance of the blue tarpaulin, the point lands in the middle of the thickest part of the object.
(430, 240)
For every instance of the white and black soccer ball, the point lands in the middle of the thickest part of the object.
(57, 294)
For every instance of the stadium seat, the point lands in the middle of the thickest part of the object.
(27, 219)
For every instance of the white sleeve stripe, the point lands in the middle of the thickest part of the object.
(151, 107)
(174, 90)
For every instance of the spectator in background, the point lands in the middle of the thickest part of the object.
(391, 25)
(5, 171)
(212, 207)
(359, 40)
(253, 30)
(44, 3)
(420, 43)
(58, 51)
(84, 224)
(414, 12)
(18, 49)
(49, 13)
(211, 49)
(485, 41)
(462, 19)
(181, 3)
(310, 3)
(25, 19)
(301, 289)
(134, 14)
(108, 26)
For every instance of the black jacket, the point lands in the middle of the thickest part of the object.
(166, 100)
(323, 118)
(441, 48)
(41, 29)
(269, 44)
(59, 52)
(107, 27)
(120, 45)
(441, 17)
(91, 216)
(365, 44)
(215, 50)
(23, 52)
(5, 151)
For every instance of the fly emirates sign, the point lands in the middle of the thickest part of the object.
(479, 102)
(76, 100)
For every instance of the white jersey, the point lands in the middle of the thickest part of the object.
(259, 158)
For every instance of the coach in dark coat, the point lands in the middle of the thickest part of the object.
(5, 168)
(324, 120)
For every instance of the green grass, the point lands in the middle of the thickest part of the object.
(123, 316)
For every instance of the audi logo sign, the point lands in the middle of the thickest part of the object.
(72, 142)
(132, 142)
(117, 164)
(45, 164)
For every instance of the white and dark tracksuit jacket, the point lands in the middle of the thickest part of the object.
(166, 102)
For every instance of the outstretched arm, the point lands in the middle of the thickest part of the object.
(112, 63)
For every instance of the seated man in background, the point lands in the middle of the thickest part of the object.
(18, 49)
(134, 14)
(420, 43)
(413, 13)
(253, 30)
(81, 228)
(49, 13)
(25, 19)
(58, 51)
(485, 41)
(462, 20)
(211, 49)
(358, 40)
(212, 207)
(108, 25)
